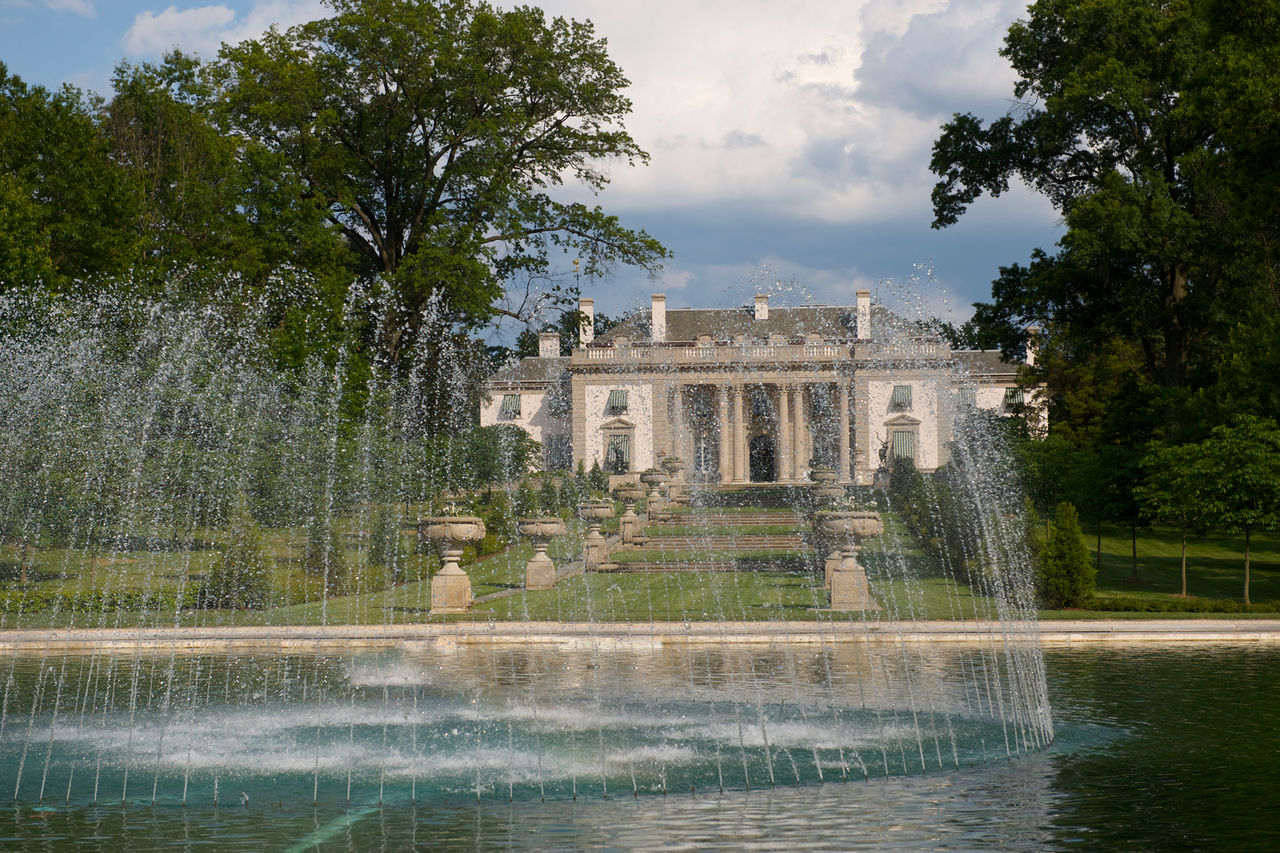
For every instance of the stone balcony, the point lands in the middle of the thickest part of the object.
(732, 352)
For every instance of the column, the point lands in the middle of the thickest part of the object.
(784, 435)
(802, 462)
(726, 443)
(677, 425)
(740, 473)
(845, 455)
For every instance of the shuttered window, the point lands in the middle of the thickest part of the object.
(904, 445)
(617, 455)
(901, 397)
(617, 403)
(1013, 397)
(967, 398)
(510, 407)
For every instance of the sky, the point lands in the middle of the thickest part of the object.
(789, 142)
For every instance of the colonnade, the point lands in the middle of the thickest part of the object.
(793, 435)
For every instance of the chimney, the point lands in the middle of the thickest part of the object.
(1033, 337)
(658, 318)
(864, 315)
(762, 306)
(548, 345)
(587, 331)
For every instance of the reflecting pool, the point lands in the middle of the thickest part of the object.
(1157, 747)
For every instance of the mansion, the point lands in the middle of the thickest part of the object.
(757, 394)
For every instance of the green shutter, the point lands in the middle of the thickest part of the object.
(1013, 397)
(617, 403)
(617, 456)
(510, 407)
(967, 398)
(901, 396)
(904, 445)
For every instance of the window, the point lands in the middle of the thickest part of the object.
(617, 403)
(617, 454)
(559, 450)
(1013, 397)
(901, 397)
(903, 445)
(967, 398)
(510, 407)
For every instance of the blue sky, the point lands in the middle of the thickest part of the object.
(790, 141)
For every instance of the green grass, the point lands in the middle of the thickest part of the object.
(906, 583)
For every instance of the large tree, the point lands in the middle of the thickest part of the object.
(431, 132)
(1142, 122)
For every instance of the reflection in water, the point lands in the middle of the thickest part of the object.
(507, 723)
(1158, 748)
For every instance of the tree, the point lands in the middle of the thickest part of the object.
(1066, 579)
(1124, 123)
(211, 201)
(431, 133)
(1243, 478)
(65, 194)
(1173, 490)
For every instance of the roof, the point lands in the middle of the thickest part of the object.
(531, 370)
(832, 322)
(982, 362)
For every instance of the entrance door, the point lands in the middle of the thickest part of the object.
(761, 457)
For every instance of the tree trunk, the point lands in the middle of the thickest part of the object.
(1184, 562)
(1246, 565)
(1133, 541)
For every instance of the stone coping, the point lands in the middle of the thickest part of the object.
(639, 635)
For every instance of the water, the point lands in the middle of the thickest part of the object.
(1158, 748)
(159, 469)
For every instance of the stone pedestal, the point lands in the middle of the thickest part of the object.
(831, 566)
(849, 587)
(450, 587)
(629, 524)
(594, 548)
(845, 576)
(540, 571)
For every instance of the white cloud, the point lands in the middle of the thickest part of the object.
(203, 29)
(79, 7)
(840, 102)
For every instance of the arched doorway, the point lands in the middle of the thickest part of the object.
(762, 459)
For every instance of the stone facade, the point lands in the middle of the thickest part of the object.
(754, 394)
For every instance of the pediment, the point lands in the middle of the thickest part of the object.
(902, 420)
(617, 423)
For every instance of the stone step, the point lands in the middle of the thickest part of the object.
(720, 542)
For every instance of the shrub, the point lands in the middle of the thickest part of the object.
(384, 537)
(324, 555)
(1065, 575)
(238, 578)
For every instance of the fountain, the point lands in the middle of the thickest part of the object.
(140, 444)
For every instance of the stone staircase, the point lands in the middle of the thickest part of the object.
(715, 551)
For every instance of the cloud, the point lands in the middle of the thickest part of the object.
(203, 29)
(825, 111)
(79, 7)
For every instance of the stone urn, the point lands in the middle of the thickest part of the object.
(540, 571)
(450, 587)
(594, 548)
(822, 474)
(654, 479)
(845, 576)
(629, 524)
